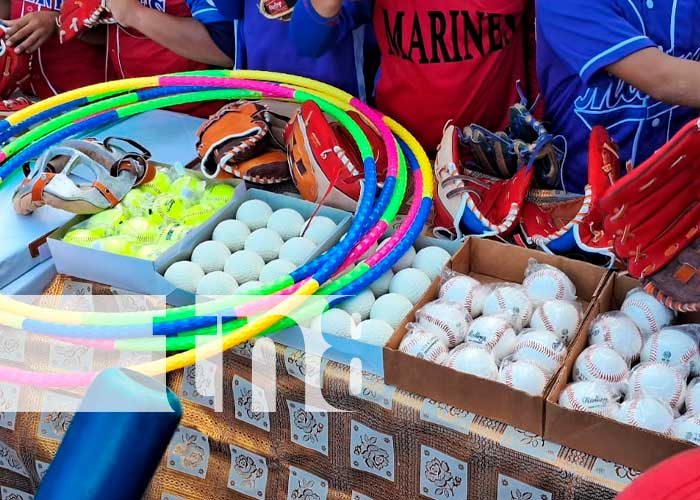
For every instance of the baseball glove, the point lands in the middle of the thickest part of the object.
(15, 67)
(653, 213)
(561, 221)
(237, 134)
(321, 169)
(83, 176)
(375, 142)
(78, 16)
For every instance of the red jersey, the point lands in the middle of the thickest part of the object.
(60, 67)
(450, 59)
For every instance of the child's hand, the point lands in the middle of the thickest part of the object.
(29, 32)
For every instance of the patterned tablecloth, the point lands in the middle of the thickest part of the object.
(385, 444)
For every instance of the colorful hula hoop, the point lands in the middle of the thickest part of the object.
(79, 111)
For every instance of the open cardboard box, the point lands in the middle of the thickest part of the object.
(144, 276)
(600, 436)
(489, 262)
(344, 350)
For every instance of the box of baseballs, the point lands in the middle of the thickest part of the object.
(493, 330)
(628, 389)
(197, 241)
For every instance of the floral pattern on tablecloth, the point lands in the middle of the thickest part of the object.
(371, 451)
(248, 473)
(9, 403)
(512, 489)
(13, 494)
(442, 476)
(189, 452)
(57, 415)
(249, 404)
(12, 344)
(308, 428)
(303, 485)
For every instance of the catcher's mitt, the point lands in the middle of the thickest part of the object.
(15, 67)
(322, 171)
(653, 213)
(78, 16)
(237, 133)
(83, 176)
(561, 221)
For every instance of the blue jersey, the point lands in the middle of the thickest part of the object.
(577, 40)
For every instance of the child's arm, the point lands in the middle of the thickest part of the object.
(4, 9)
(29, 32)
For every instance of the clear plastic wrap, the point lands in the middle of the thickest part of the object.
(523, 376)
(464, 290)
(648, 314)
(544, 282)
(422, 344)
(473, 360)
(659, 380)
(692, 397)
(541, 348)
(446, 320)
(561, 317)
(673, 345)
(687, 428)
(494, 333)
(602, 363)
(590, 396)
(511, 300)
(618, 331)
(646, 412)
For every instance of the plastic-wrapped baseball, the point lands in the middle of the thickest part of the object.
(231, 233)
(616, 330)
(335, 322)
(494, 334)
(275, 269)
(648, 314)
(184, 275)
(381, 286)
(264, 242)
(687, 428)
(590, 396)
(445, 320)
(658, 380)
(540, 347)
(375, 332)
(210, 256)
(692, 397)
(297, 250)
(391, 308)
(466, 291)
(672, 346)
(254, 214)
(424, 345)
(474, 361)
(318, 229)
(560, 317)
(431, 260)
(217, 283)
(286, 222)
(600, 362)
(244, 266)
(646, 413)
(523, 376)
(549, 283)
(511, 301)
(411, 283)
(361, 304)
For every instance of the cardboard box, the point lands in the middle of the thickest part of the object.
(489, 262)
(344, 350)
(604, 437)
(143, 276)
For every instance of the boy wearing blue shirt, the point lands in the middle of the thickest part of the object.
(628, 65)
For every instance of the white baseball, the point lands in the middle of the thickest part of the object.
(375, 332)
(600, 362)
(494, 334)
(381, 286)
(646, 413)
(590, 396)
(542, 348)
(254, 214)
(512, 301)
(445, 320)
(687, 428)
(411, 283)
(361, 304)
(560, 317)
(660, 381)
(672, 346)
(474, 361)
(692, 397)
(616, 330)
(335, 322)
(286, 222)
(648, 314)
(549, 283)
(431, 260)
(523, 376)
(391, 308)
(424, 345)
(466, 291)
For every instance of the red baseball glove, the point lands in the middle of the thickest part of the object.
(15, 67)
(80, 15)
